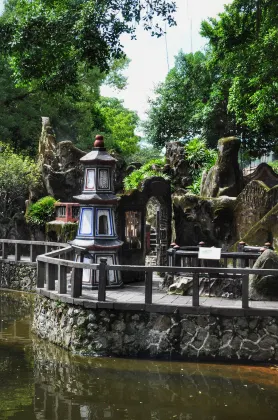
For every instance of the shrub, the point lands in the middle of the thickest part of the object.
(41, 212)
(136, 179)
(17, 175)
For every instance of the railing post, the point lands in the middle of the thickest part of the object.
(242, 261)
(62, 279)
(76, 280)
(17, 252)
(245, 291)
(4, 251)
(240, 246)
(50, 276)
(148, 286)
(195, 296)
(40, 274)
(33, 253)
(102, 280)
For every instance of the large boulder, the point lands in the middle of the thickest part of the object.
(264, 286)
(178, 168)
(198, 219)
(225, 177)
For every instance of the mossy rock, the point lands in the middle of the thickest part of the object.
(264, 286)
(265, 230)
(225, 177)
(60, 231)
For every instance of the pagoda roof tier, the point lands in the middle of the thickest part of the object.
(98, 154)
(96, 244)
(95, 198)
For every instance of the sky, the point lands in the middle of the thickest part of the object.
(149, 64)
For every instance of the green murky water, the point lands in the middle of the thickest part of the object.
(40, 381)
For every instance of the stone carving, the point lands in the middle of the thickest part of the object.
(265, 230)
(225, 178)
(254, 202)
(59, 162)
(103, 179)
(266, 286)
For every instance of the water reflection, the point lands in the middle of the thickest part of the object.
(45, 382)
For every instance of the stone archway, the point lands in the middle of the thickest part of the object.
(132, 217)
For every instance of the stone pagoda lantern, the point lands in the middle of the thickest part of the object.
(96, 237)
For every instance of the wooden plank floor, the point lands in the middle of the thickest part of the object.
(135, 293)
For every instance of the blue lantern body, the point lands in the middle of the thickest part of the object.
(97, 237)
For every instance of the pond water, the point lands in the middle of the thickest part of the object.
(40, 381)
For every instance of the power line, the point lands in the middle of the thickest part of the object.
(166, 47)
(189, 17)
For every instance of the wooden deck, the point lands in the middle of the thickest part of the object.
(132, 297)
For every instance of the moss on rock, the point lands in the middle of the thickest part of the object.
(60, 231)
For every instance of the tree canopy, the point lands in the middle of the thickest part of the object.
(17, 175)
(76, 114)
(47, 41)
(231, 89)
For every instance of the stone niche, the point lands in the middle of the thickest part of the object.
(136, 203)
(225, 177)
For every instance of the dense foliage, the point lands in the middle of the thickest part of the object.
(41, 212)
(119, 125)
(76, 110)
(136, 179)
(47, 41)
(17, 175)
(232, 89)
(180, 110)
(200, 159)
(76, 114)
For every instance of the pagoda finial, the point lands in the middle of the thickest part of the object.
(99, 141)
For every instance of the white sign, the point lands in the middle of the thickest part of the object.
(209, 253)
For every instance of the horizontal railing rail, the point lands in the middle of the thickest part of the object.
(241, 259)
(52, 267)
(15, 250)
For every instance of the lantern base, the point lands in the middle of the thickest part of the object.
(90, 278)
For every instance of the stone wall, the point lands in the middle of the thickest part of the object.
(18, 276)
(136, 333)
